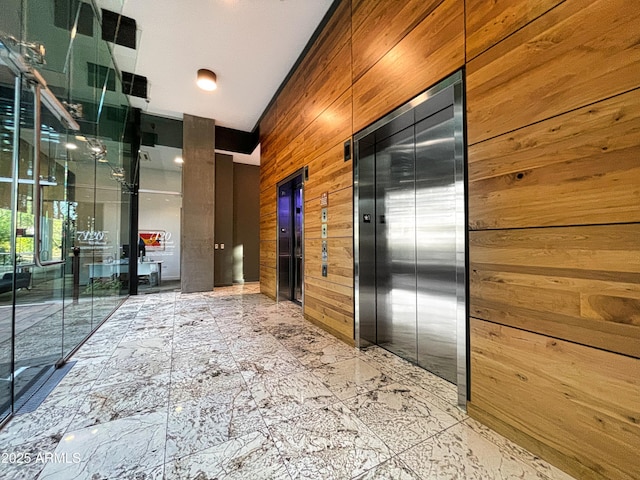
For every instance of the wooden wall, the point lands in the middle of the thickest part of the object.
(553, 135)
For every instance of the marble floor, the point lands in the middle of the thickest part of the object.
(231, 385)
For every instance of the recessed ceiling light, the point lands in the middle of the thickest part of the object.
(179, 160)
(207, 80)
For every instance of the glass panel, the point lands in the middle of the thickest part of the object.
(7, 246)
(39, 310)
(159, 218)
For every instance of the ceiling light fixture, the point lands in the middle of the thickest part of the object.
(71, 146)
(207, 80)
(179, 160)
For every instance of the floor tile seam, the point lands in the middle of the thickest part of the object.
(372, 432)
(396, 457)
(409, 380)
(429, 438)
(281, 455)
(301, 414)
(92, 383)
(505, 451)
(169, 389)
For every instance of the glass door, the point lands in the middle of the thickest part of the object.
(8, 194)
(41, 221)
(34, 215)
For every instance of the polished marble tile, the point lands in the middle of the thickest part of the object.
(330, 443)
(400, 415)
(118, 449)
(196, 425)
(392, 469)
(191, 384)
(461, 453)
(229, 384)
(322, 352)
(250, 457)
(284, 397)
(130, 369)
(352, 377)
(261, 366)
(510, 449)
(50, 420)
(26, 461)
(104, 404)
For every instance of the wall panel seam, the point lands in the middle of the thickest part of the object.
(508, 36)
(508, 132)
(471, 317)
(406, 33)
(540, 227)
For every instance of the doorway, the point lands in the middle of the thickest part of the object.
(290, 196)
(410, 234)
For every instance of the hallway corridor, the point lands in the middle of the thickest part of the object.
(230, 384)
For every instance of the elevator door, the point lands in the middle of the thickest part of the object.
(410, 258)
(290, 237)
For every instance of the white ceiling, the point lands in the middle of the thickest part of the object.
(250, 44)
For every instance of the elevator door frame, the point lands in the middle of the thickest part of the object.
(300, 173)
(462, 314)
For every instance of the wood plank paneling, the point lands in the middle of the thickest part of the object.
(433, 50)
(268, 254)
(577, 283)
(268, 227)
(268, 199)
(378, 25)
(566, 59)
(334, 81)
(581, 167)
(330, 306)
(340, 260)
(268, 280)
(339, 216)
(328, 172)
(577, 403)
(490, 21)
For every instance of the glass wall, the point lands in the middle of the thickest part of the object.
(159, 218)
(65, 188)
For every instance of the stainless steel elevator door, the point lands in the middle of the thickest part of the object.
(410, 233)
(395, 244)
(435, 201)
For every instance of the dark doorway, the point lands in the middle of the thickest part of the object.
(290, 238)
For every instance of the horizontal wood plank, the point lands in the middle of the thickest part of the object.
(578, 404)
(328, 172)
(430, 52)
(581, 167)
(566, 59)
(268, 281)
(490, 21)
(339, 215)
(268, 253)
(340, 260)
(330, 305)
(576, 283)
(378, 25)
(268, 228)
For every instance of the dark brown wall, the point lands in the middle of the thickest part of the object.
(246, 223)
(223, 274)
(553, 119)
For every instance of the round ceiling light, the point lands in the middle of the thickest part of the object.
(207, 80)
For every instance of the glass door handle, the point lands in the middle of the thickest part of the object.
(37, 200)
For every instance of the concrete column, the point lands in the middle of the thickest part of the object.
(198, 192)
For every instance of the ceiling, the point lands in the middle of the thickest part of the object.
(250, 44)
